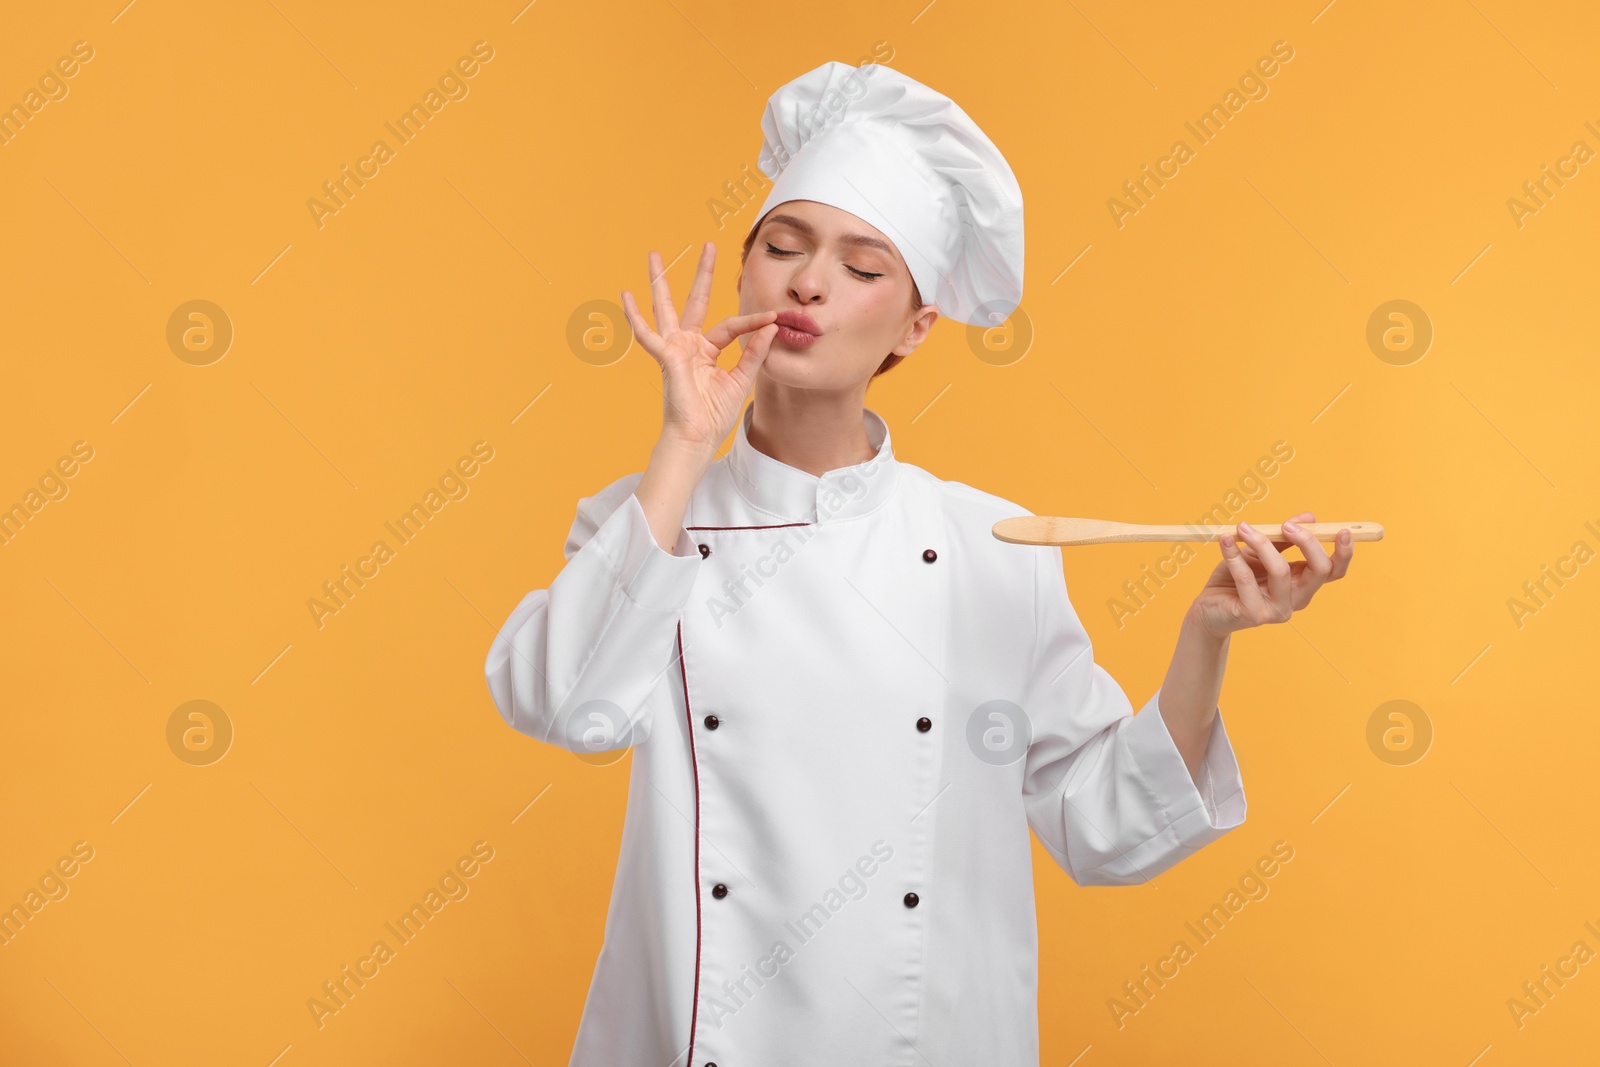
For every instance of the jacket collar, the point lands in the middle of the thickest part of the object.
(793, 495)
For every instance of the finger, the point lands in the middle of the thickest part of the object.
(1251, 556)
(1344, 549)
(755, 353)
(641, 329)
(1285, 541)
(1280, 589)
(1309, 574)
(723, 333)
(1260, 569)
(694, 309)
(1317, 561)
(661, 297)
(1244, 579)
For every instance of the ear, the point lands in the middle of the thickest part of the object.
(927, 315)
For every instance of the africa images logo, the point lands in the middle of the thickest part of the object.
(852, 885)
(786, 543)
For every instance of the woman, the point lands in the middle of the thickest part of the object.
(848, 701)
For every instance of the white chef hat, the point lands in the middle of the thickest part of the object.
(907, 160)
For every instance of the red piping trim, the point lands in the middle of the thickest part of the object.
(775, 526)
(683, 672)
(694, 1015)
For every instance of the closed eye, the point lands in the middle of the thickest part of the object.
(866, 275)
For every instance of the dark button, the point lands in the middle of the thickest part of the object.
(712, 722)
(911, 900)
(705, 550)
(928, 555)
(719, 890)
(924, 724)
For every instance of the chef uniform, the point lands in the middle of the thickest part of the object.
(847, 700)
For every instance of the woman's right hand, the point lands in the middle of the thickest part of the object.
(700, 400)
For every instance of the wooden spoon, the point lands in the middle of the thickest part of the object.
(1053, 530)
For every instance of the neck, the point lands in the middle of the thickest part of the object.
(809, 429)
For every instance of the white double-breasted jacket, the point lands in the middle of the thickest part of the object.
(848, 702)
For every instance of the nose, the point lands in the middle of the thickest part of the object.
(806, 285)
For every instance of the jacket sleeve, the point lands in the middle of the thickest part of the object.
(575, 664)
(1107, 791)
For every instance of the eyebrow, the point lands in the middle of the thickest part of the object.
(858, 239)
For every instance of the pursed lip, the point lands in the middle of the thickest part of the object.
(799, 320)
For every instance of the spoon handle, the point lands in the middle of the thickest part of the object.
(1057, 530)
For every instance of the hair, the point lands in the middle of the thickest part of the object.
(916, 299)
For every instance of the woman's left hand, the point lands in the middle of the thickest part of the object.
(1254, 584)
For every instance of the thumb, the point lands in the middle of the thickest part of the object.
(754, 355)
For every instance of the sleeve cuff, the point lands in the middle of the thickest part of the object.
(650, 576)
(1194, 810)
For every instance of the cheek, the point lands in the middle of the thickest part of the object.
(761, 285)
(877, 310)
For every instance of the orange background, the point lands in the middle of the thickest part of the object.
(371, 352)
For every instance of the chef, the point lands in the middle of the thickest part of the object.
(847, 701)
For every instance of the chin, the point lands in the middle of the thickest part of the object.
(801, 370)
(788, 367)
(811, 379)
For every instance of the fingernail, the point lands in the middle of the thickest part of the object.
(1247, 528)
(1291, 526)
